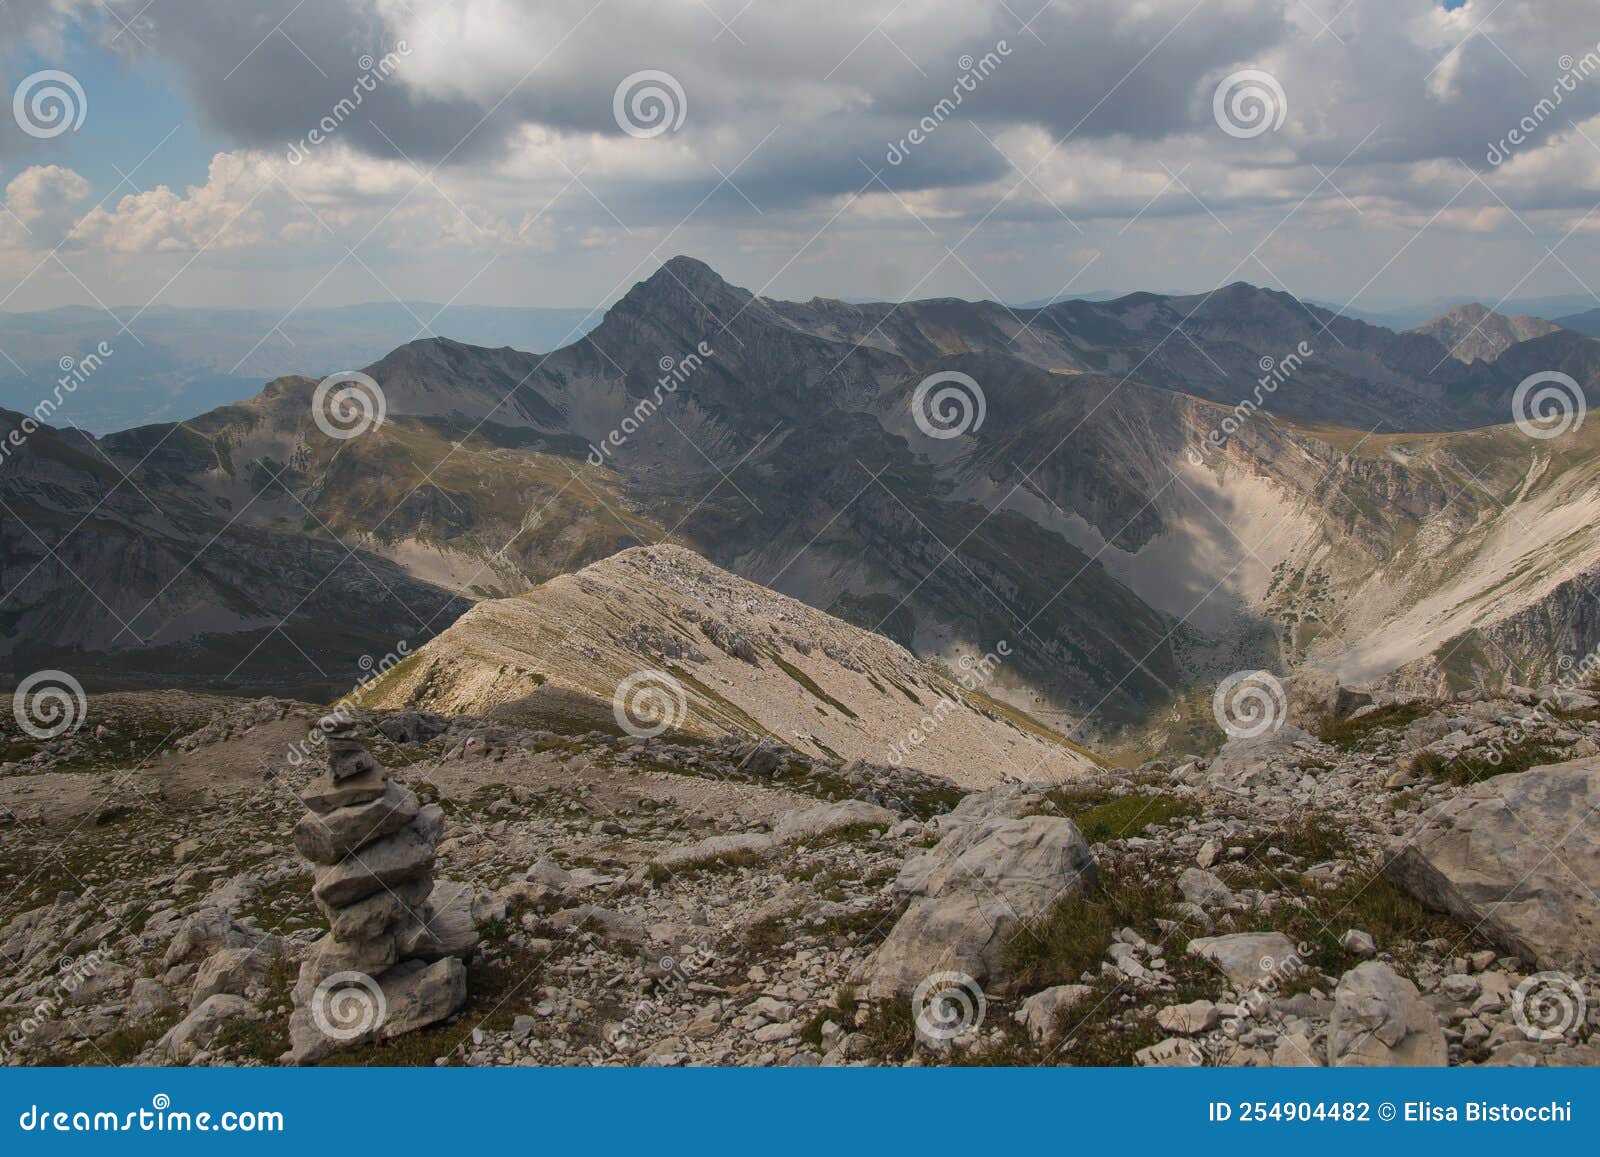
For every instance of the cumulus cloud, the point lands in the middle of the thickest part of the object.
(1090, 127)
(41, 205)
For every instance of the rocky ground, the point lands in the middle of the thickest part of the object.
(1297, 898)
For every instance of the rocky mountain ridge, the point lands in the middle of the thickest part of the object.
(661, 638)
(1137, 515)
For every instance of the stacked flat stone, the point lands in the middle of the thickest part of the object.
(387, 964)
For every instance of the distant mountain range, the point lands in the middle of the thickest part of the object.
(1410, 316)
(1160, 490)
(1586, 323)
(172, 362)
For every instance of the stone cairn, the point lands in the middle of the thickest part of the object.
(391, 960)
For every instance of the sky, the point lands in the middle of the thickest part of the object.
(283, 153)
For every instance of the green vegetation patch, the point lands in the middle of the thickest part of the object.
(1073, 939)
(1316, 916)
(810, 685)
(1476, 769)
(1101, 816)
(722, 862)
(1349, 734)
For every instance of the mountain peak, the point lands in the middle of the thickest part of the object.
(694, 275)
(680, 281)
(1474, 332)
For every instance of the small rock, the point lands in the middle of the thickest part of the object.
(773, 1033)
(1174, 1052)
(1295, 1050)
(1188, 1019)
(1358, 944)
(1249, 959)
(1039, 1012)
(1204, 889)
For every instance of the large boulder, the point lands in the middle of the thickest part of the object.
(206, 930)
(1040, 1011)
(814, 822)
(971, 893)
(1380, 1020)
(1010, 801)
(620, 928)
(737, 844)
(197, 1030)
(1243, 761)
(234, 971)
(449, 924)
(353, 1010)
(1316, 697)
(381, 912)
(1518, 858)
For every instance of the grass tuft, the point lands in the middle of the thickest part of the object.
(1101, 816)
(1464, 771)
